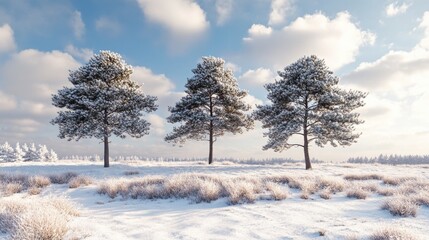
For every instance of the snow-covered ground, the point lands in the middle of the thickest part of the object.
(293, 218)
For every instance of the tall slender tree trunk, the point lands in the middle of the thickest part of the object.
(211, 133)
(106, 151)
(106, 141)
(306, 152)
(211, 143)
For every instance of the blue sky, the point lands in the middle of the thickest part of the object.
(381, 47)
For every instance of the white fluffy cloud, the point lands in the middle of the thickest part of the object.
(7, 41)
(258, 30)
(396, 110)
(6, 102)
(394, 9)
(107, 25)
(31, 76)
(279, 10)
(83, 54)
(157, 85)
(336, 40)
(157, 124)
(35, 75)
(179, 17)
(153, 84)
(77, 24)
(223, 10)
(257, 77)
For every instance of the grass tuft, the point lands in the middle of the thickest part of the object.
(63, 178)
(392, 233)
(401, 206)
(79, 181)
(357, 192)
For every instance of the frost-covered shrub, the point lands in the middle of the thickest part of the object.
(368, 186)
(46, 223)
(80, 180)
(208, 191)
(151, 191)
(392, 233)
(240, 192)
(352, 177)
(387, 191)
(13, 178)
(44, 218)
(113, 187)
(422, 199)
(39, 181)
(34, 191)
(284, 179)
(333, 184)
(304, 184)
(357, 192)
(304, 195)
(325, 194)
(182, 185)
(63, 205)
(12, 188)
(8, 212)
(16, 183)
(62, 178)
(401, 206)
(276, 191)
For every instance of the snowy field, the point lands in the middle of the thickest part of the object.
(276, 202)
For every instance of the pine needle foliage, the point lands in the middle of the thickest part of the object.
(213, 105)
(307, 102)
(102, 102)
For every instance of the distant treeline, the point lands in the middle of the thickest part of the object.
(392, 159)
(251, 161)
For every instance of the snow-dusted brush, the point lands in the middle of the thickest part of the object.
(79, 181)
(38, 218)
(307, 102)
(392, 233)
(403, 206)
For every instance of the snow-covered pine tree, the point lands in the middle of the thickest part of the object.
(307, 102)
(6, 153)
(42, 153)
(18, 153)
(52, 156)
(24, 148)
(31, 153)
(102, 102)
(212, 106)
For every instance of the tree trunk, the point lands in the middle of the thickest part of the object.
(106, 141)
(211, 143)
(106, 151)
(211, 132)
(306, 153)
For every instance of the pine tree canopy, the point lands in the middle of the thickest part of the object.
(306, 101)
(213, 104)
(103, 101)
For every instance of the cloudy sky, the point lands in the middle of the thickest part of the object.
(381, 47)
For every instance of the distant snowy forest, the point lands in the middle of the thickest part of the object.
(392, 159)
(26, 152)
(251, 161)
(41, 153)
